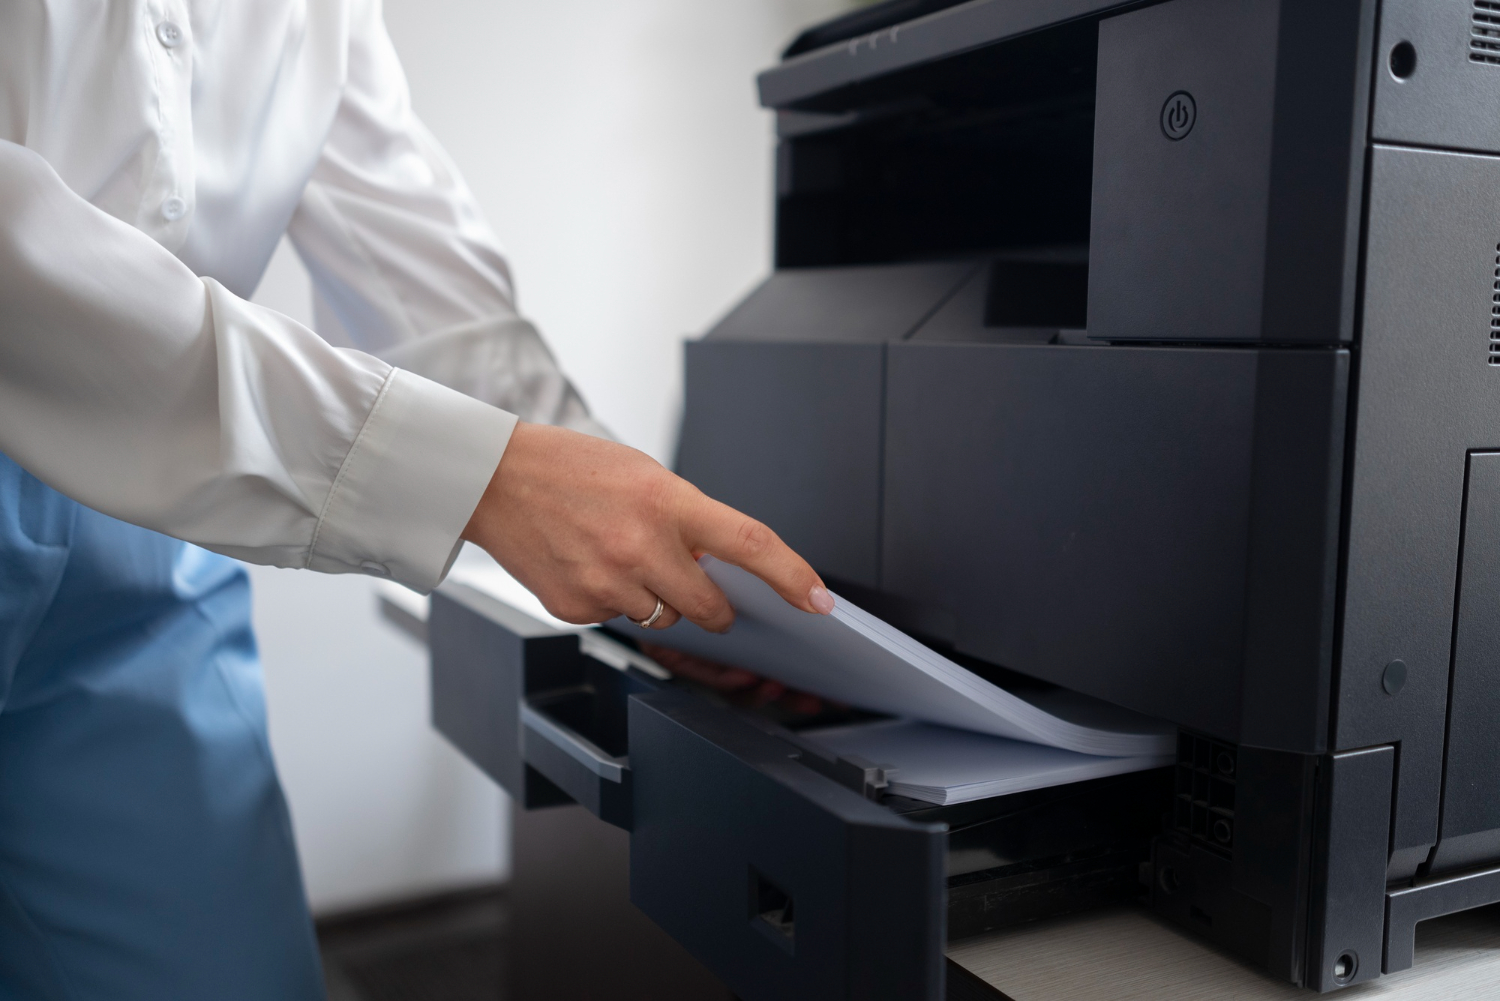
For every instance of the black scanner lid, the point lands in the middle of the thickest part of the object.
(862, 22)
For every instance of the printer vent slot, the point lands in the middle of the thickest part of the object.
(1204, 805)
(1484, 34)
(1495, 310)
(772, 911)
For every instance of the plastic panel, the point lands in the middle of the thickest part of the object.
(1346, 936)
(1086, 515)
(482, 650)
(1179, 222)
(1470, 832)
(790, 434)
(820, 80)
(784, 883)
(1449, 98)
(1427, 396)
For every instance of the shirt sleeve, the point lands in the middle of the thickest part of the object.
(402, 261)
(139, 389)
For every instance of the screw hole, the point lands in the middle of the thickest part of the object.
(1345, 967)
(1403, 61)
(1393, 678)
(1167, 880)
(1223, 831)
(1226, 764)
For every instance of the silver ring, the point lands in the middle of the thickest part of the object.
(650, 620)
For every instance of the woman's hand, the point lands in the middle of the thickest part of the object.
(595, 529)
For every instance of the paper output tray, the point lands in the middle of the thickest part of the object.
(782, 872)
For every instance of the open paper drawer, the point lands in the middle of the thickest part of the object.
(787, 873)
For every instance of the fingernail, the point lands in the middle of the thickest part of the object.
(820, 600)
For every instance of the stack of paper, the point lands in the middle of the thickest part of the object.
(855, 658)
(936, 764)
(1029, 740)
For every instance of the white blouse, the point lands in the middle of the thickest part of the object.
(152, 153)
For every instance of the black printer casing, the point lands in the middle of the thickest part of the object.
(1145, 348)
(1153, 350)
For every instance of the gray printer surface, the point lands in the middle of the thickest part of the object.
(1148, 349)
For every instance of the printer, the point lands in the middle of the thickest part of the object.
(1150, 350)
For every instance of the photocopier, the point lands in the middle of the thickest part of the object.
(1146, 349)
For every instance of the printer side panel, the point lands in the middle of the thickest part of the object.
(1470, 817)
(1439, 79)
(1429, 397)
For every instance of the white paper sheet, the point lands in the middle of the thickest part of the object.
(855, 658)
(936, 764)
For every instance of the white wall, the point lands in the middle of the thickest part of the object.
(618, 150)
(620, 153)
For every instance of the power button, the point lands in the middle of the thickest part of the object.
(1179, 115)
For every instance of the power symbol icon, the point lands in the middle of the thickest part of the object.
(1179, 115)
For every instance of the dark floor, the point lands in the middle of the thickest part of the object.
(450, 948)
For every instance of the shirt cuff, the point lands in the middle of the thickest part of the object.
(410, 483)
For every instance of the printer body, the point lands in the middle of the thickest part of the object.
(1149, 350)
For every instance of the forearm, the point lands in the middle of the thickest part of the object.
(139, 389)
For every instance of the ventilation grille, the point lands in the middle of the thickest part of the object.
(1495, 314)
(1204, 805)
(1484, 38)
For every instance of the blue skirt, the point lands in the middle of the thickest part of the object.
(145, 847)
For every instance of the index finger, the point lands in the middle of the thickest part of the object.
(721, 531)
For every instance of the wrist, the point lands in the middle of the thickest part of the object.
(481, 525)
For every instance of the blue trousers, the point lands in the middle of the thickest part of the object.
(145, 847)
